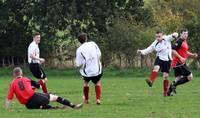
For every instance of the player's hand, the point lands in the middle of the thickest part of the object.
(175, 35)
(8, 104)
(139, 51)
(42, 60)
(182, 59)
(195, 55)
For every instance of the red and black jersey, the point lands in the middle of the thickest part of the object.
(22, 88)
(181, 47)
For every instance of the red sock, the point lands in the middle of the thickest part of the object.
(86, 92)
(165, 86)
(44, 87)
(98, 91)
(153, 76)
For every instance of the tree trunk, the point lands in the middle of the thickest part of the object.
(9, 63)
(12, 62)
(18, 63)
(3, 62)
(24, 60)
(141, 58)
(120, 61)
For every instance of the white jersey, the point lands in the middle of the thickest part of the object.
(34, 50)
(88, 59)
(163, 48)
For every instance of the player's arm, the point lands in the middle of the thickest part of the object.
(79, 59)
(98, 50)
(175, 53)
(147, 50)
(33, 56)
(42, 60)
(9, 98)
(171, 37)
(175, 47)
(8, 104)
(192, 55)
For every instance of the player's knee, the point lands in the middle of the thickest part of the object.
(53, 98)
(156, 68)
(190, 77)
(98, 83)
(165, 75)
(45, 79)
(85, 84)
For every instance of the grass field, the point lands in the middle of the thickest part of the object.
(124, 95)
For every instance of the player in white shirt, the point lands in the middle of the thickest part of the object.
(88, 59)
(35, 61)
(162, 47)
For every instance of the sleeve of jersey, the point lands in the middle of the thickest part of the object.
(169, 38)
(31, 49)
(177, 45)
(149, 49)
(78, 59)
(10, 92)
(98, 50)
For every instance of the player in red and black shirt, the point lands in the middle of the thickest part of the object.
(180, 56)
(22, 87)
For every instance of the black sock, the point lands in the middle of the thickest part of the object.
(65, 102)
(181, 81)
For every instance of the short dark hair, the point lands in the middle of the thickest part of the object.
(82, 37)
(184, 30)
(158, 32)
(35, 34)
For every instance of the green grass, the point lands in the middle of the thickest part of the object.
(124, 95)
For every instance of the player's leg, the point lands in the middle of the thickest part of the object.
(86, 90)
(39, 74)
(154, 72)
(42, 82)
(172, 88)
(55, 98)
(98, 92)
(96, 81)
(165, 68)
(183, 80)
(153, 75)
(186, 76)
(165, 83)
(183, 75)
(39, 101)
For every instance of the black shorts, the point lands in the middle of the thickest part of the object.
(164, 65)
(38, 100)
(37, 71)
(94, 79)
(181, 70)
